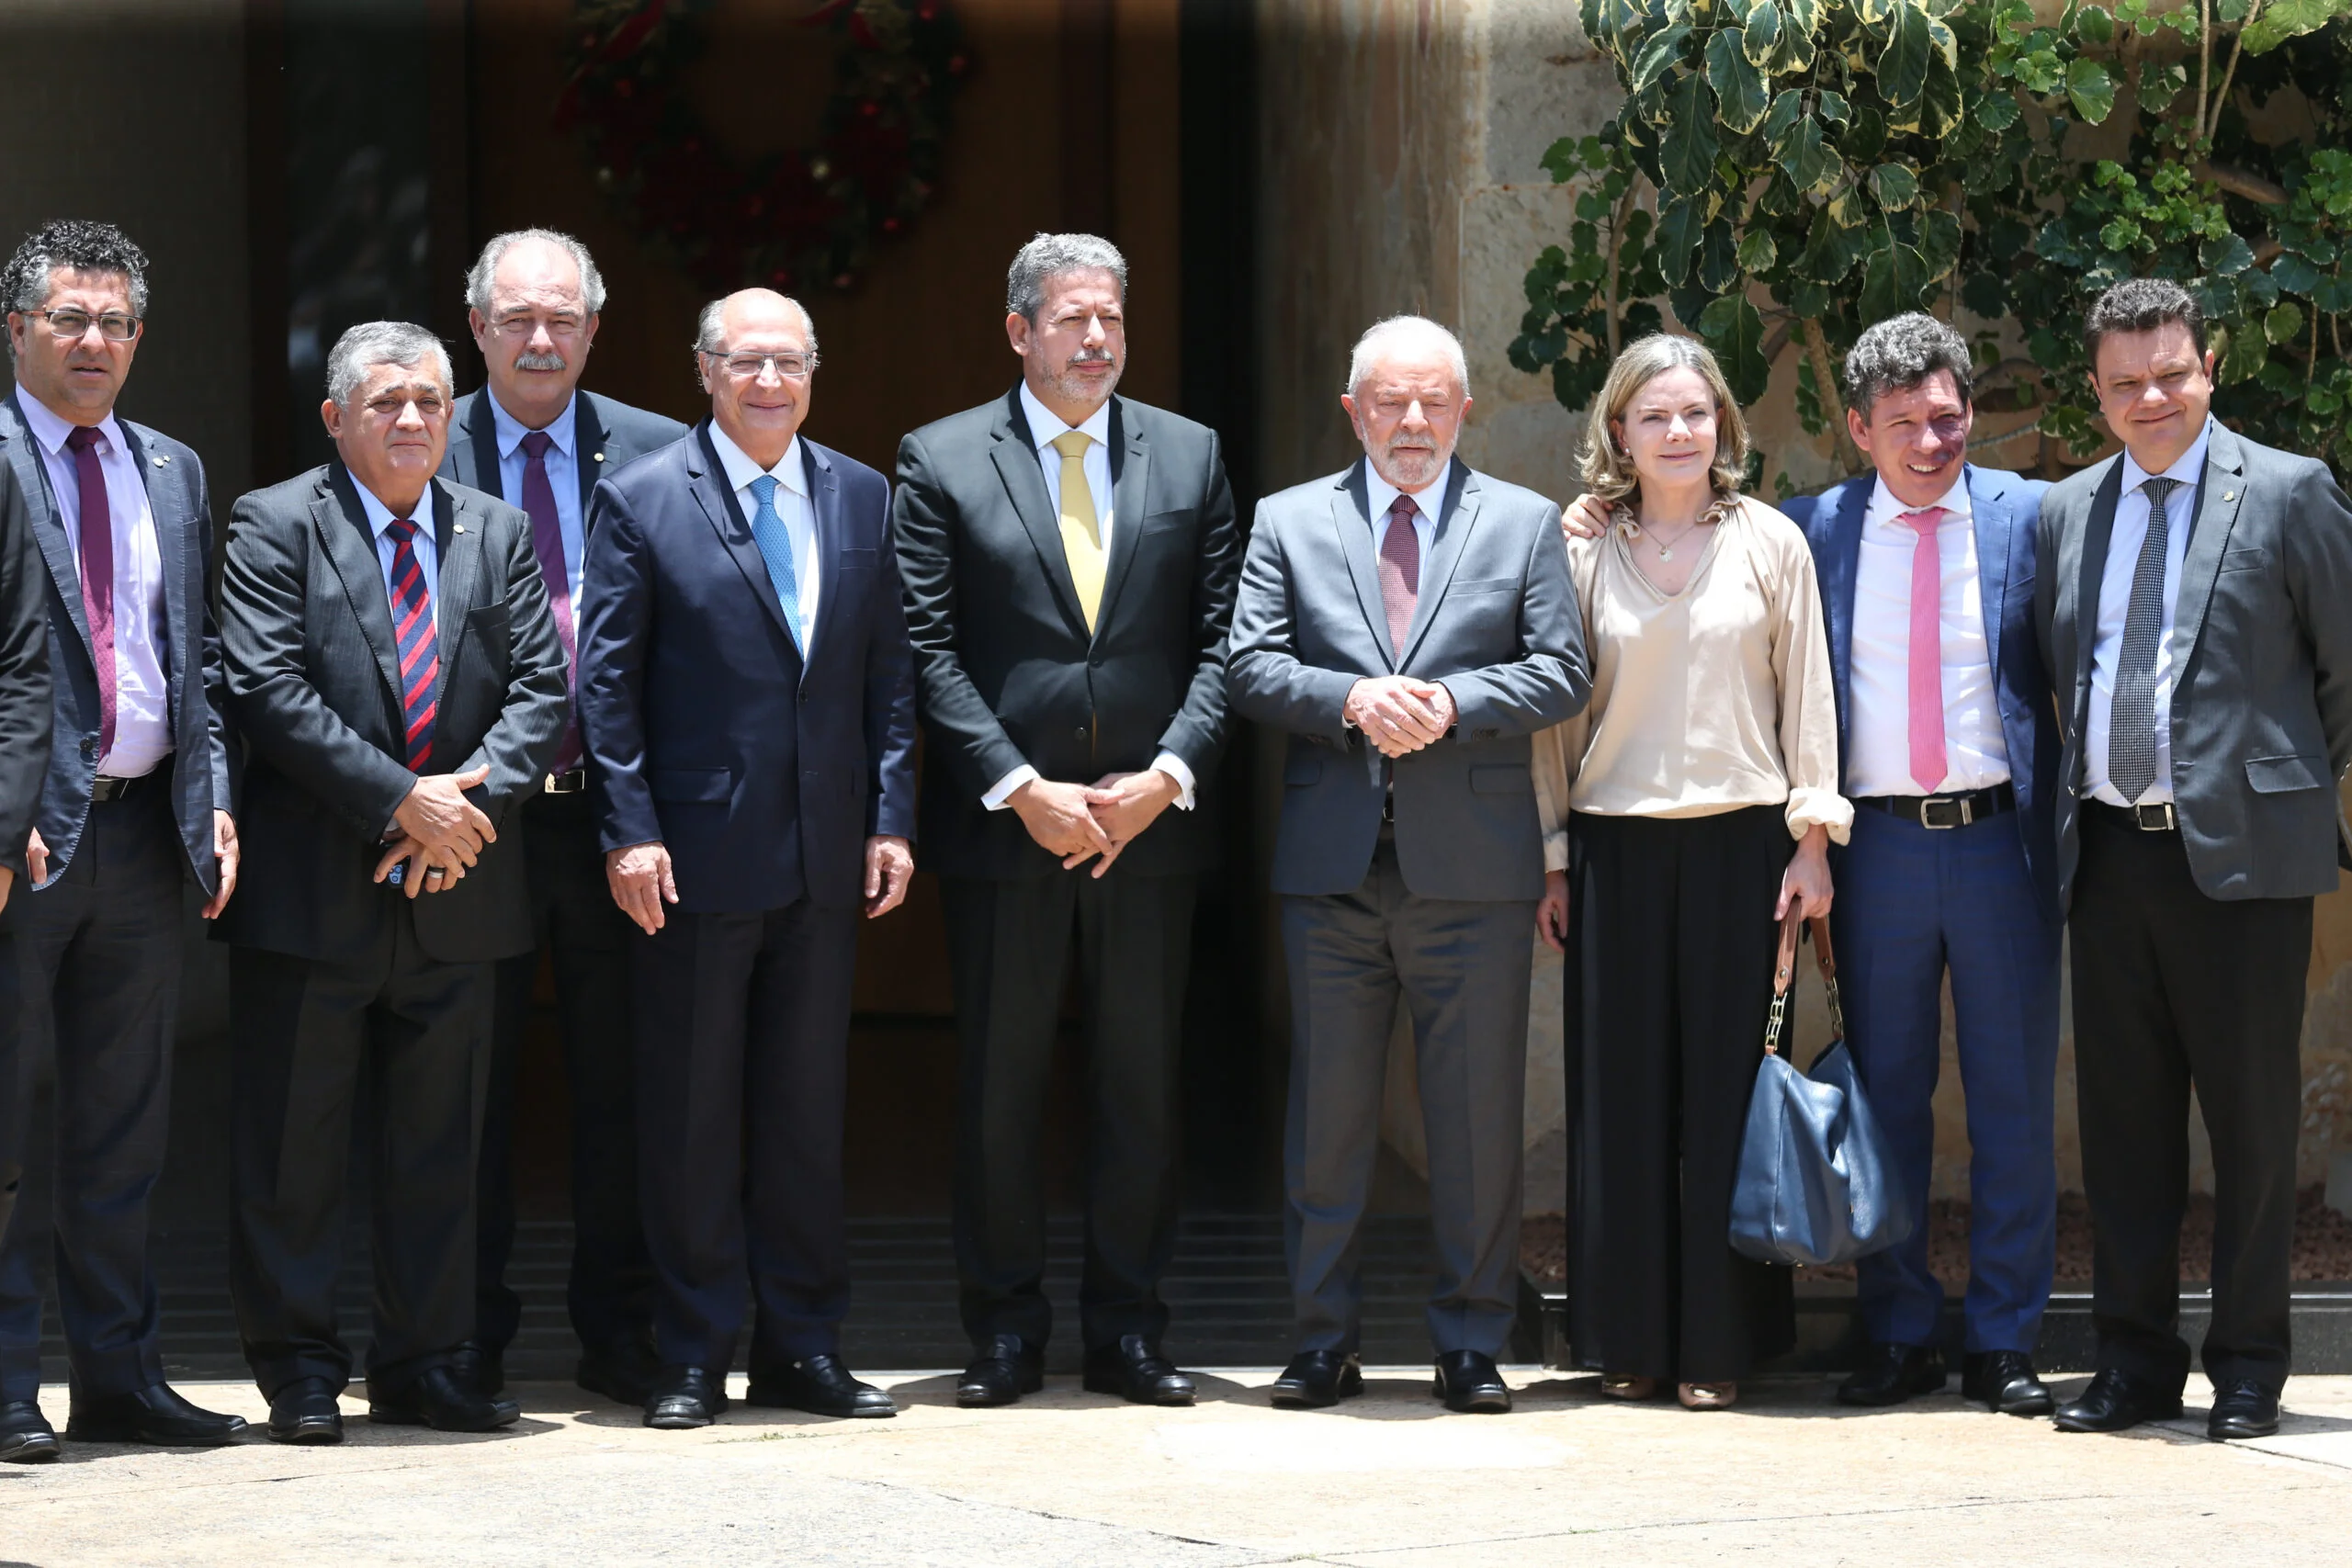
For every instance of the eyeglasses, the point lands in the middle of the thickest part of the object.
(747, 366)
(114, 326)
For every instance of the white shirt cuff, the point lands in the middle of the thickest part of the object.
(997, 798)
(1173, 766)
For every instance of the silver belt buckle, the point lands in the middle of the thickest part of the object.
(2156, 818)
(1963, 805)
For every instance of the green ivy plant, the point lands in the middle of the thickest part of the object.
(1783, 172)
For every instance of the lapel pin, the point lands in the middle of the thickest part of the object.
(2229, 495)
(161, 461)
(598, 456)
(458, 529)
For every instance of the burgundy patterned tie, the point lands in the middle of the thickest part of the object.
(97, 571)
(412, 631)
(546, 543)
(1401, 569)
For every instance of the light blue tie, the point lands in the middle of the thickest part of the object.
(776, 548)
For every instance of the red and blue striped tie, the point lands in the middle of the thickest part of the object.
(413, 630)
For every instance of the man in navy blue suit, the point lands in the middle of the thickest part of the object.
(747, 698)
(1951, 752)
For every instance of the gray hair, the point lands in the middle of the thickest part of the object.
(485, 267)
(1900, 353)
(1047, 256)
(362, 348)
(1398, 331)
(708, 338)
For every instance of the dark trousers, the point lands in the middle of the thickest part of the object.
(2175, 991)
(742, 1045)
(1462, 968)
(1668, 980)
(610, 1292)
(98, 961)
(1912, 904)
(304, 1035)
(1009, 943)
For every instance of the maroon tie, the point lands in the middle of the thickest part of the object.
(546, 543)
(97, 571)
(1401, 569)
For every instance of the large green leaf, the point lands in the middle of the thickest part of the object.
(2091, 89)
(2284, 324)
(1718, 255)
(1809, 165)
(1894, 185)
(1786, 106)
(1939, 105)
(1997, 111)
(2283, 19)
(2244, 353)
(1680, 222)
(1687, 159)
(1893, 279)
(1804, 15)
(2226, 256)
(1658, 55)
(1903, 65)
(1739, 86)
(1734, 330)
(1757, 250)
(1760, 32)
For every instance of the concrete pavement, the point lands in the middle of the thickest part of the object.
(1388, 1481)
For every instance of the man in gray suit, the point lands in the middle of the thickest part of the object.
(2194, 597)
(1410, 858)
(534, 437)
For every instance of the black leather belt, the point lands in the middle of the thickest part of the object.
(572, 782)
(103, 788)
(1945, 810)
(2155, 818)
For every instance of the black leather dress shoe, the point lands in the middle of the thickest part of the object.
(2117, 1402)
(26, 1437)
(2245, 1409)
(2004, 1380)
(687, 1397)
(1135, 1370)
(1001, 1374)
(1892, 1373)
(440, 1397)
(822, 1385)
(627, 1374)
(308, 1410)
(153, 1414)
(1316, 1379)
(479, 1370)
(1468, 1383)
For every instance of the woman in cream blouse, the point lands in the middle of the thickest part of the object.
(1685, 809)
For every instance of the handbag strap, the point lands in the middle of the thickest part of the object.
(1784, 973)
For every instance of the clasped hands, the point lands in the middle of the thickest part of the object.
(441, 833)
(1080, 822)
(1398, 713)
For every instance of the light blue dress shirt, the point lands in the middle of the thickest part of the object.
(563, 476)
(427, 544)
(2115, 604)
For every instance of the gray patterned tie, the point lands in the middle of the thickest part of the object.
(2132, 717)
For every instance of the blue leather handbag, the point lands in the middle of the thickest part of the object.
(1815, 1183)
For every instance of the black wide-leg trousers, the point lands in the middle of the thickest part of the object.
(1009, 945)
(2176, 991)
(1668, 981)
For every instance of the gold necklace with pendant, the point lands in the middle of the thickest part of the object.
(1665, 547)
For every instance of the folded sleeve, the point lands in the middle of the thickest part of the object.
(1808, 716)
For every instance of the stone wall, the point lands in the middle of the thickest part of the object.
(1399, 142)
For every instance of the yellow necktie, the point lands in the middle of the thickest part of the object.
(1081, 533)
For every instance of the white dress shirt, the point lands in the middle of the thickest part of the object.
(426, 543)
(1878, 731)
(2115, 604)
(1044, 426)
(793, 505)
(1380, 495)
(563, 477)
(142, 692)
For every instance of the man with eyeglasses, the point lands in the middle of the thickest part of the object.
(747, 695)
(135, 804)
(393, 669)
(534, 437)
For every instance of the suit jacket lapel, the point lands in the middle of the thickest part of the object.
(1015, 453)
(476, 444)
(2221, 490)
(1839, 566)
(164, 516)
(49, 521)
(1351, 520)
(1994, 561)
(717, 498)
(1130, 490)
(1457, 514)
(341, 526)
(457, 534)
(587, 452)
(825, 506)
(2096, 532)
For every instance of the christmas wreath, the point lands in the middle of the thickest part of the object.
(809, 216)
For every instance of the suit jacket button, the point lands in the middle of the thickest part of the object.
(1082, 732)
(804, 696)
(89, 748)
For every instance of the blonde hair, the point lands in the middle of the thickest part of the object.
(1606, 470)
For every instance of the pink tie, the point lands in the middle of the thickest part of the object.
(1400, 571)
(1928, 765)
